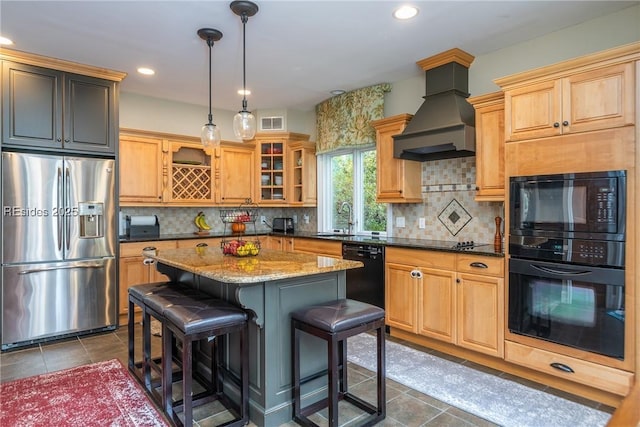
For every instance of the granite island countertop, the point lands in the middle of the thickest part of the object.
(268, 265)
(486, 249)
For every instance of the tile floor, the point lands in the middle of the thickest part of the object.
(405, 406)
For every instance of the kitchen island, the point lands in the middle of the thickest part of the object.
(269, 286)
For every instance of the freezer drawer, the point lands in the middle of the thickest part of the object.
(43, 301)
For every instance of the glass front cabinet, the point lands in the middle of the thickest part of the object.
(287, 169)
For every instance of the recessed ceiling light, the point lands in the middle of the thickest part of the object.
(5, 41)
(405, 12)
(337, 92)
(146, 71)
(244, 92)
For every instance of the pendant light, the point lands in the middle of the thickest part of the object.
(244, 123)
(210, 134)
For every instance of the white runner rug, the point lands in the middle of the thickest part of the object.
(499, 400)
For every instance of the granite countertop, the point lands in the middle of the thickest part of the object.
(266, 266)
(486, 249)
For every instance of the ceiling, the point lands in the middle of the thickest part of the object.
(297, 51)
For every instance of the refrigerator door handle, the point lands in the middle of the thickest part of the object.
(67, 208)
(58, 216)
(64, 267)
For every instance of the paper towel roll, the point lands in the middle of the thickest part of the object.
(143, 220)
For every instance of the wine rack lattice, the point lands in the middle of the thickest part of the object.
(191, 182)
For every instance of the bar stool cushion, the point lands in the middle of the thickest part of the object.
(139, 291)
(195, 316)
(174, 295)
(339, 315)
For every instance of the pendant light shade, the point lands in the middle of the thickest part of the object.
(244, 123)
(210, 133)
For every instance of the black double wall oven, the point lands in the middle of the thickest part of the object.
(567, 259)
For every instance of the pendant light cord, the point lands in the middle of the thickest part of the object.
(210, 44)
(244, 18)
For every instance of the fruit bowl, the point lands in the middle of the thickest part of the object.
(240, 247)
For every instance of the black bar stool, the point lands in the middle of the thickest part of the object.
(192, 320)
(137, 294)
(334, 322)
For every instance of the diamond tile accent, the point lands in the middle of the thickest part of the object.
(454, 217)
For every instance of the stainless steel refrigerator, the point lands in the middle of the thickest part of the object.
(58, 247)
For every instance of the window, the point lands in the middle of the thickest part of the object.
(348, 192)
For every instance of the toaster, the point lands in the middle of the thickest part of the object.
(283, 225)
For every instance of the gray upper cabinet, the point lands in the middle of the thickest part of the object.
(54, 110)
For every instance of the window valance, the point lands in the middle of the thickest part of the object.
(345, 120)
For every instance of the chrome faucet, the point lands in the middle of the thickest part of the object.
(341, 210)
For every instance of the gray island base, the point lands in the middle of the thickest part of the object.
(270, 286)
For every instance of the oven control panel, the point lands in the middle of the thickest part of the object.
(591, 252)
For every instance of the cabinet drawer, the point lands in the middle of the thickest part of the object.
(135, 248)
(592, 374)
(420, 257)
(493, 266)
(318, 246)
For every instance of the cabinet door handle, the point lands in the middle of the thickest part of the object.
(59, 139)
(148, 261)
(556, 125)
(66, 140)
(201, 245)
(562, 367)
(149, 248)
(478, 265)
(565, 123)
(416, 274)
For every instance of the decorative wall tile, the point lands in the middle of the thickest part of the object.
(454, 217)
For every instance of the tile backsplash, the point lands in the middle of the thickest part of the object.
(448, 208)
(180, 220)
(448, 192)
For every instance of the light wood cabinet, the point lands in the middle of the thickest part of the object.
(301, 174)
(398, 181)
(455, 298)
(321, 247)
(280, 243)
(165, 169)
(136, 269)
(287, 169)
(57, 105)
(191, 176)
(140, 165)
(489, 146)
(586, 98)
(235, 174)
(595, 375)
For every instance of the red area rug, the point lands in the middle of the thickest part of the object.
(100, 394)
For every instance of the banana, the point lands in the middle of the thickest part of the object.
(201, 222)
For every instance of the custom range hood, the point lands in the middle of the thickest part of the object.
(444, 126)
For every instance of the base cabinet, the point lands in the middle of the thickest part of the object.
(595, 375)
(455, 298)
(136, 269)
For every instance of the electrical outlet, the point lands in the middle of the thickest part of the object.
(295, 218)
(305, 218)
(421, 223)
(400, 222)
(263, 219)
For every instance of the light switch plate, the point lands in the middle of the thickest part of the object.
(421, 223)
(400, 222)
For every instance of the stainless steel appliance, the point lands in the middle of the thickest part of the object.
(365, 284)
(566, 271)
(58, 247)
(283, 225)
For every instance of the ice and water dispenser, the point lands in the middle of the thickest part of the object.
(91, 217)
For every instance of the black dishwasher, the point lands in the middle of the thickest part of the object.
(365, 284)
